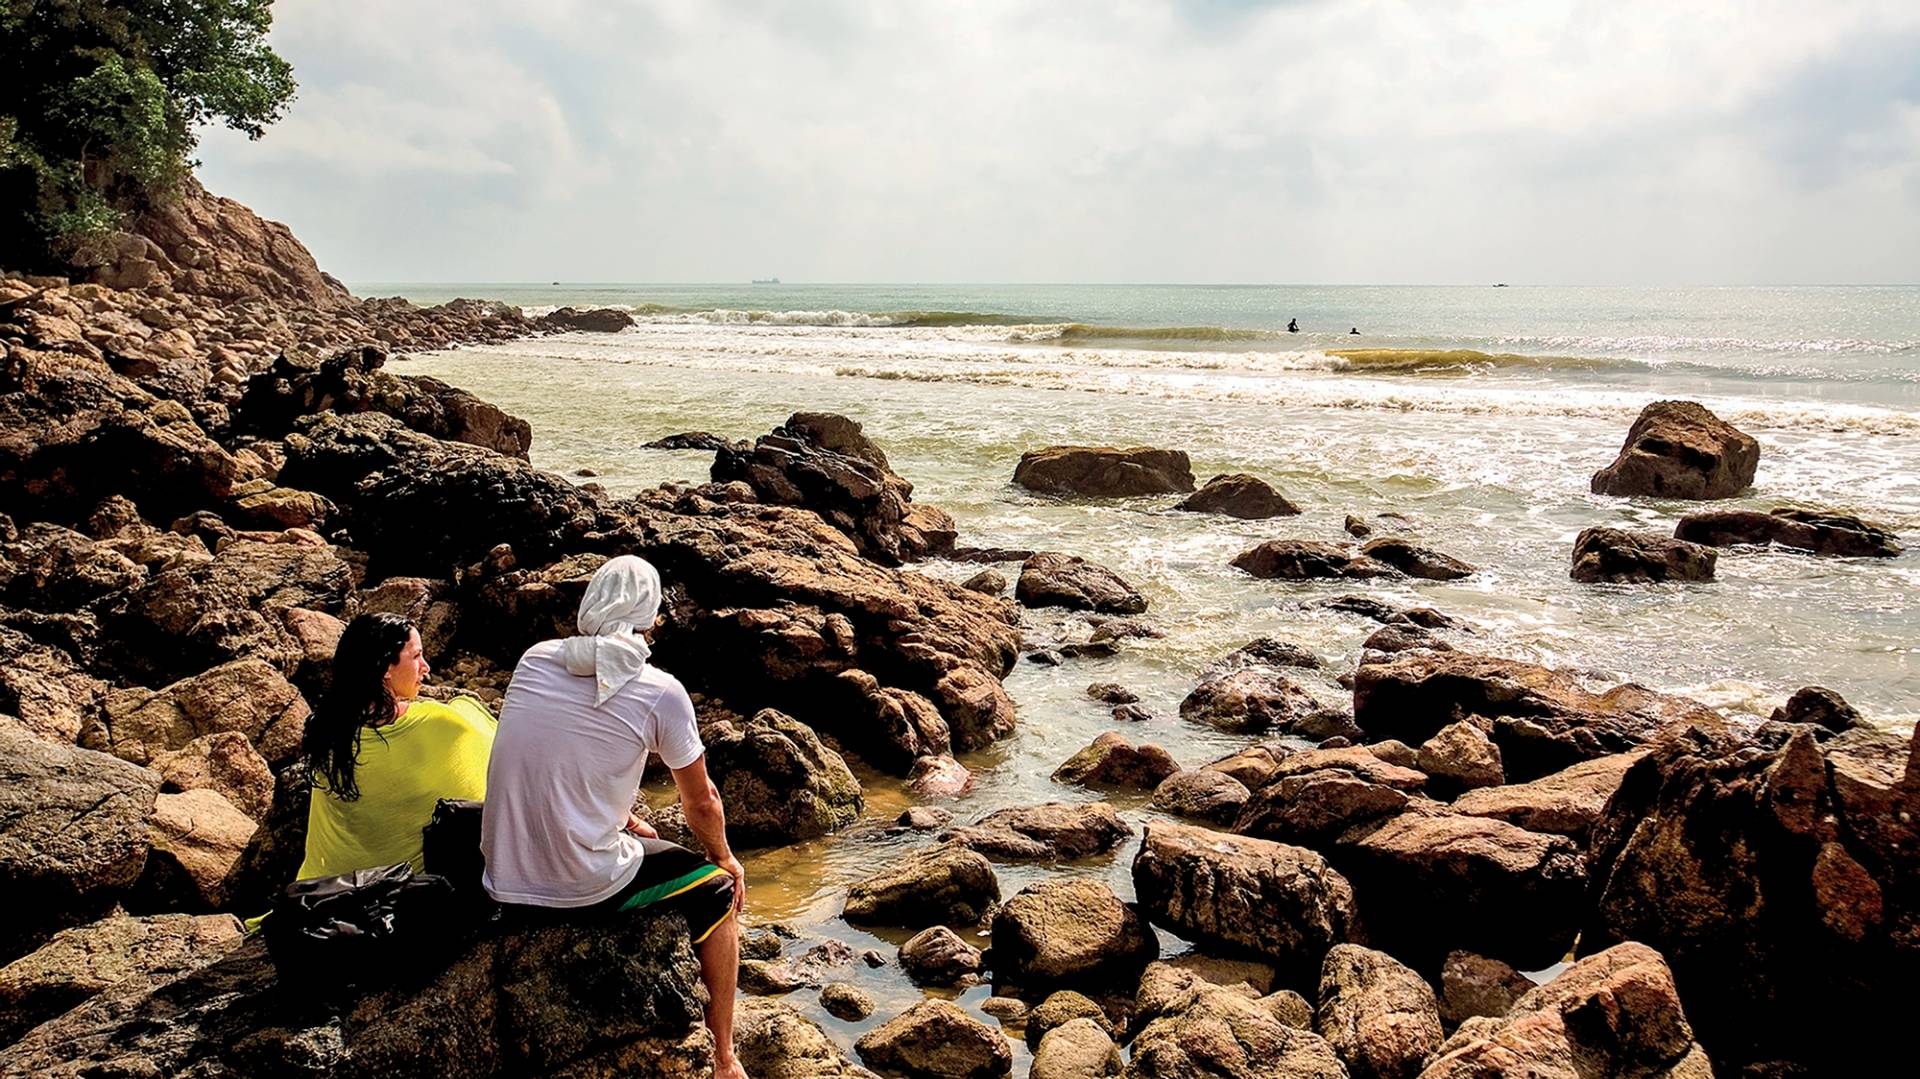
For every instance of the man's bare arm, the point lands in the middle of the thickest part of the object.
(700, 800)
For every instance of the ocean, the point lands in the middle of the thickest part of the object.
(1477, 413)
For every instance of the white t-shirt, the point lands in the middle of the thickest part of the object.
(563, 776)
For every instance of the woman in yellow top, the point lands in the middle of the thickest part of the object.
(381, 757)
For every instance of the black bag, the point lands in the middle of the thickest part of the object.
(451, 842)
(365, 927)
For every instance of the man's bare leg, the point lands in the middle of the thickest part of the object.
(720, 971)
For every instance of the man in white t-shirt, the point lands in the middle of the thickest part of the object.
(579, 720)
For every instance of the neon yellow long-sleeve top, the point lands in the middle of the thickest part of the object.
(433, 751)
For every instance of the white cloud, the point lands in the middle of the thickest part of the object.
(1365, 141)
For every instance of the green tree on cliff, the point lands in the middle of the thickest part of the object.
(102, 105)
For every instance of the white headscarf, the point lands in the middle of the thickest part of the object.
(622, 599)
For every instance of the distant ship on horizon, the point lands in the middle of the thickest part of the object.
(766, 280)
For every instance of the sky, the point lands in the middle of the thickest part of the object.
(1200, 141)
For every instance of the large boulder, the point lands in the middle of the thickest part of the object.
(198, 837)
(1802, 529)
(45, 689)
(774, 1041)
(779, 783)
(1473, 985)
(1567, 802)
(824, 463)
(1678, 449)
(1060, 932)
(1049, 832)
(1781, 884)
(73, 832)
(1302, 560)
(1615, 1013)
(1201, 794)
(1192, 1027)
(1316, 808)
(304, 383)
(1076, 1049)
(247, 695)
(936, 1040)
(1258, 699)
(1280, 902)
(1113, 761)
(1543, 720)
(587, 319)
(1104, 472)
(943, 884)
(1049, 579)
(1239, 495)
(1617, 556)
(80, 962)
(1380, 1016)
(1489, 886)
(623, 998)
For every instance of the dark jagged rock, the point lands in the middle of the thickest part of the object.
(1239, 495)
(1809, 704)
(589, 320)
(947, 883)
(1057, 580)
(825, 463)
(987, 582)
(1381, 611)
(1416, 561)
(1616, 556)
(1301, 560)
(1049, 832)
(1104, 472)
(695, 440)
(1060, 932)
(1802, 529)
(1543, 720)
(301, 383)
(80, 962)
(1615, 1013)
(1258, 699)
(617, 999)
(1678, 449)
(779, 783)
(1281, 902)
(1780, 884)
(1260, 652)
(1112, 693)
(73, 832)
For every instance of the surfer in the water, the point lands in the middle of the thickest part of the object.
(1293, 325)
(1356, 329)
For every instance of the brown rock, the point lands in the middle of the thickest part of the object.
(1201, 794)
(1112, 693)
(1239, 495)
(1809, 704)
(1061, 1008)
(1113, 761)
(1194, 1028)
(1049, 579)
(1416, 561)
(1379, 1015)
(1315, 808)
(937, 956)
(1614, 1013)
(1290, 1008)
(1069, 931)
(939, 777)
(776, 1042)
(1678, 449)
(1473, 985)
(936, 1040)
(246, 695)
(1104, 472)
(45, 689)
(987, 582)
(1566, 802)
(1281, 902)
(1615, 556)
(778, 782)
(940, 884)
(77, 963)
(844, 1000)
(1253, 700)
(1300, 560)
(223, 762)
(1461, 757)
(198, 836)
(1055, 830)
(1807, 530)
(1077, 1049)
(587, 320)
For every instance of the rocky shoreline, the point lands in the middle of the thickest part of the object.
(206, 468)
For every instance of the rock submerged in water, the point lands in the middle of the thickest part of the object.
(947, 883)
(1049, 832)
(780, 784)
(1254, 700)
(1679, 449)
(1113, 761)
(590, 320)
(1239, 495)
(1104, 472)
(1616, 556)
(1416, 561)
(696, 440)
(1301, 560)
(1802, 529)
(1062, 932)
(1049, 579)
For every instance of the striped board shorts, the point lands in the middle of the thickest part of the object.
(673, 878)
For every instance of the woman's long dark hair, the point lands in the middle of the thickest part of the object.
(358, 698)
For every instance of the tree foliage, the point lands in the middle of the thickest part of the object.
(102, 105)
